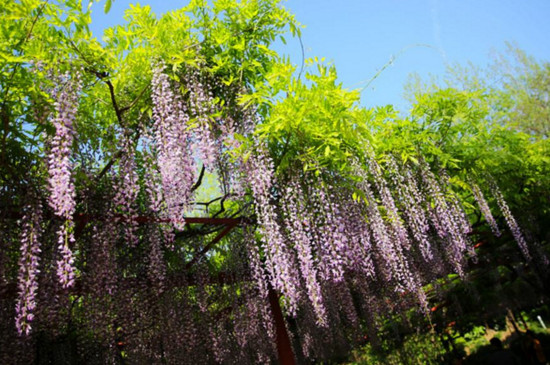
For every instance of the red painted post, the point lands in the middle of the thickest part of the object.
(284, 348)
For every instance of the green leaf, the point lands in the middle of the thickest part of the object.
(107, 6)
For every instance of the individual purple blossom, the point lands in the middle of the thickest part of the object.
(28, 268)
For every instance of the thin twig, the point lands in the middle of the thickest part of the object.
(134, 102)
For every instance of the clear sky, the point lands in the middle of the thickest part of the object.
(360, 37)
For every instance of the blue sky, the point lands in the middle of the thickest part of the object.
(360, 37)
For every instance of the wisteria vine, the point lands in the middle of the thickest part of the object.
(335, 247)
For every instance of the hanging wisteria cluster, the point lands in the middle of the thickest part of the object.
(61, 185)
(335, 250)
(177, 167)
(28, 267)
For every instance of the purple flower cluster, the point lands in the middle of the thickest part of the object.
(65, 264)
(329, 234)
(157, 265)
(341, 297)
(280, 258)
(127, 189)
(397, 228)
(395, 265)
(448, 220)
(153, 189)
(172, 143)
(484, 208)
(298, 222)
(258, 275)
(359, 249)
(339, 249)
(28, 268)
(61, 185)
(412, 201)
(202, 106)
(511, 221)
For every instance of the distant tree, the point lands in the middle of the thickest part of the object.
(517, 87)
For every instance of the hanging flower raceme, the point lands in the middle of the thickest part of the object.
(174, 158)
(396, 225)
(126, 191)
(359, 249)
(61, 185)
(65, 265)
(394, 265)
(298, 222)
(157, 265)
(484, 208)
(341, 297)
(511, 221)
(411, 200)
(202, 104)
(28, 268)
(457, 211)
(444, 218)
(328, 234)
(280, 258)
(258, 275)
(153, 189)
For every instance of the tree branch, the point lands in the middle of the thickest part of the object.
(102, 76)
(222, 208)
(199, 181)
(134, 102)
(110, 164)
(207, 248)
(113, 100)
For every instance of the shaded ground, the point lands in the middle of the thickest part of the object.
(514, 343)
